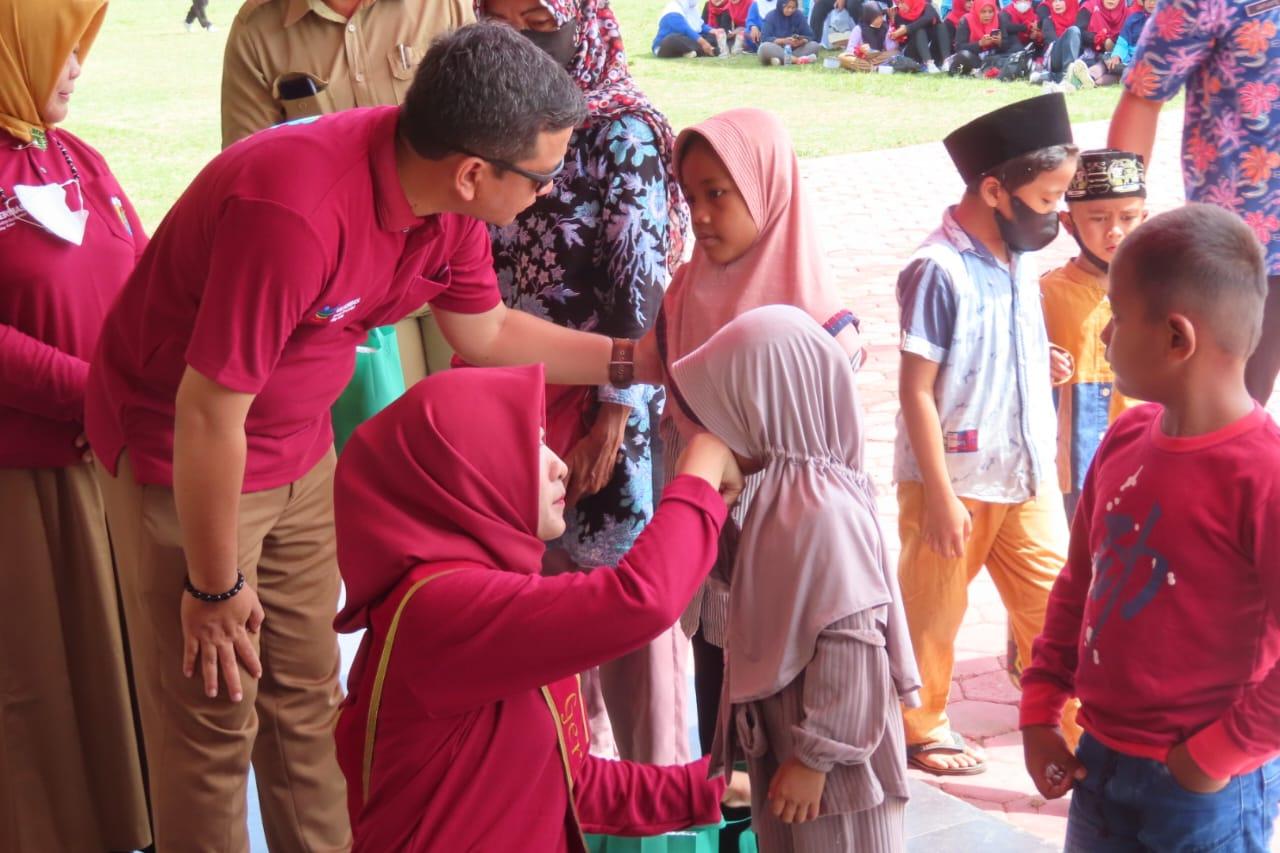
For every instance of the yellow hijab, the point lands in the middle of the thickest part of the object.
(36, 37)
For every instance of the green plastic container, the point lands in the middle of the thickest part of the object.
(699, 839)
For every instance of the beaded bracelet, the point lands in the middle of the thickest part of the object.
(212, 598)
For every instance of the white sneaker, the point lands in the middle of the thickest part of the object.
(775, 61)
(691, 55)
(212, 28)
(1079, 75)
(187, 26)
(1038, 77)
(931, 68)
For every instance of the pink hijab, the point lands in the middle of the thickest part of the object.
(783, 266)
(775, 386)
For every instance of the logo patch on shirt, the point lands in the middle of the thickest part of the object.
(9, 216)
(332, 314)
(124, 217)
(965, 441)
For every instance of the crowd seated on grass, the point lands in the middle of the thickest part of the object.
(1064, 45)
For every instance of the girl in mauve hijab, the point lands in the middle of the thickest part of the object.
(465, 728)
(817, 653)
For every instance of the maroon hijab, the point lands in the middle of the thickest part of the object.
(446, 474)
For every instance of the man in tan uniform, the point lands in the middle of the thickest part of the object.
(289, 59)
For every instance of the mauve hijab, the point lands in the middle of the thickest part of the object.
(446, 474)
(775, 386)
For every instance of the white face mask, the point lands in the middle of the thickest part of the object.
(1022, 6)
(47, 205)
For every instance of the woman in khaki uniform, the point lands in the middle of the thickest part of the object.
(70, 773)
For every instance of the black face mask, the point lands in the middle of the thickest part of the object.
(1028, 231)
(1084, 250)
(561, 45)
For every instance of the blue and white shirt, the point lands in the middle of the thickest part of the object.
(981, 321)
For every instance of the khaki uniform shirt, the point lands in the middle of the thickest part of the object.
(366, 61)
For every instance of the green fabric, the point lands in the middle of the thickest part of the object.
(699, 839)
(376, 383)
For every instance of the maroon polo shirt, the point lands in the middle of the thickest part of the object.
(265, 276)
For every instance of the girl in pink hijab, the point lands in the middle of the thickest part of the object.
(756, 245)
(817, 653)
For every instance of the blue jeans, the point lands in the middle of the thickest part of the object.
(1134, 804)
(1064, 51)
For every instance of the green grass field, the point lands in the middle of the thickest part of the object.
(149, 96)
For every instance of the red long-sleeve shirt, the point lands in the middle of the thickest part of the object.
(467, 753)
(54, 296)
(1164, 620)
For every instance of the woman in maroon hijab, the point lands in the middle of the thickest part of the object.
(464, 728)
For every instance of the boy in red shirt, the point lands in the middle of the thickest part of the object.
(1164, 620)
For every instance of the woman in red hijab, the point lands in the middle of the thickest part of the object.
(978, 36)
(464, 727)
(919, 30)
(1020, 23)
(730, 16)
(951, 23)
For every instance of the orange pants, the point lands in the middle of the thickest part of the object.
(1023, 546)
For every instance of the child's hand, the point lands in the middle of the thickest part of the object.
(711, 459)
(1188, 774)
(795, 793)
(1052, 767)
(947, 525)
(737, 794)
(1061, 365)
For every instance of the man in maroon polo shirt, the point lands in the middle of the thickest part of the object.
(208, 407)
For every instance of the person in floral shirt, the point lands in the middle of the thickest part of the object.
(1227, 54)
(595, 251)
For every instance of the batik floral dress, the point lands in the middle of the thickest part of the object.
(1227, 53)
(592, 255)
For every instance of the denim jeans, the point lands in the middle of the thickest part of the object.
(1064, 51)
(1135, 804)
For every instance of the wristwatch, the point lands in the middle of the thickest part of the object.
(622, 363)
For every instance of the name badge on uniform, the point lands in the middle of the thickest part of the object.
(124, 217)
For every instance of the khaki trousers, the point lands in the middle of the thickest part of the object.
(1023, 546)
(199, 749)
(70, 773)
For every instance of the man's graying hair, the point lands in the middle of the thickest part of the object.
(486, 89)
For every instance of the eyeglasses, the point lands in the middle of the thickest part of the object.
(538, 179)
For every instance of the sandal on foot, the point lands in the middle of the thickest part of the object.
(953, 745)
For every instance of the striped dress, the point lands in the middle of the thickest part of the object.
(840, 716)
